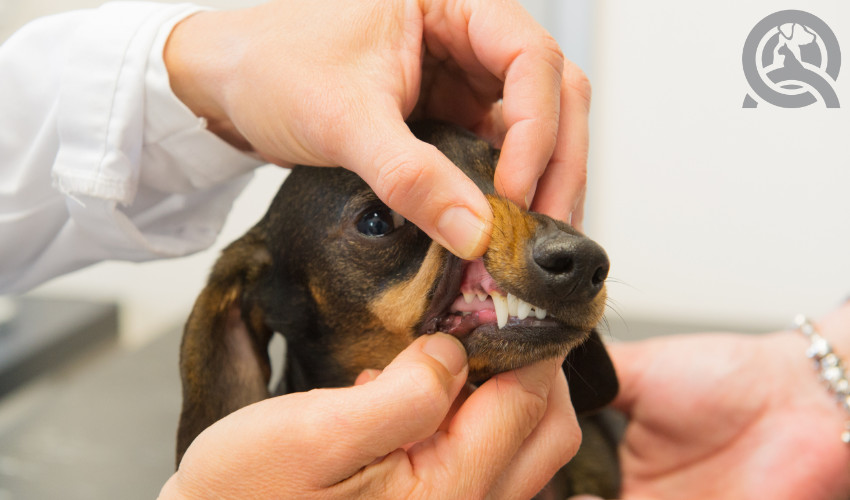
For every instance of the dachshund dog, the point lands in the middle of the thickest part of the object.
(349, 284)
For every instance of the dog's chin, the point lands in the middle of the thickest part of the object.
(493, 350)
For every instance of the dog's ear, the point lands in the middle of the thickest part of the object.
(591, 376)
(224, 362)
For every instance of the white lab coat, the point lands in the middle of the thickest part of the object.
(98, 158)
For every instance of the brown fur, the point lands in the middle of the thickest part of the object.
(346, 301)
(400, 307)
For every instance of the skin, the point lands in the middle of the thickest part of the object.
(733, 417)
(401, 433)
(331, 83)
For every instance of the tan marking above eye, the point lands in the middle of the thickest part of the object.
(402, 306)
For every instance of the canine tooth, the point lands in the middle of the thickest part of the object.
(501, 305)
(513, 302)
(523, 309)
(540, 313)
(468, 297)
(481, 296)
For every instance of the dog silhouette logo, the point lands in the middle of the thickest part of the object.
(791, 60)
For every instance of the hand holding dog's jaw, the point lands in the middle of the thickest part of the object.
(508, 438)
(331, 83)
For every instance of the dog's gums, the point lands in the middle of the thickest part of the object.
(481, 301)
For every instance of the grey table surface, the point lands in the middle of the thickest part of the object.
(43, 334)
(102, 427)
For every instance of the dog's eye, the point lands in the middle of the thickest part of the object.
(379, 222)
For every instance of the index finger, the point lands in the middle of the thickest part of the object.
(513, 47)
(546, 102)
(561, 188)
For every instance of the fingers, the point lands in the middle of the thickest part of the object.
(529, 62)
(420, 183)
(366, 376)
(560, 192)
(531, 132)
(576, 219)
(630, 360)
(546, 101)
(498, 421)
(304, 442)
(551, 445)
(407, 402)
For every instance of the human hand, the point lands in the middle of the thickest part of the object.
(730, 417)
(331, 83)
(398, 436)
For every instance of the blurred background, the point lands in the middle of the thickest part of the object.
(714, 216)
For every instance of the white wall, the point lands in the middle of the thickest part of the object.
(570, 22)
(712, 212)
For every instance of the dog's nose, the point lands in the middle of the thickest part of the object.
(572, 264)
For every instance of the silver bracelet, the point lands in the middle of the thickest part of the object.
(829, 366)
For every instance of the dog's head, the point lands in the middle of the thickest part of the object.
(350, 284)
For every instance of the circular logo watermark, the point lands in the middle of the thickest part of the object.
(791, 59)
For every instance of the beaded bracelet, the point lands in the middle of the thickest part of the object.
(829, 366)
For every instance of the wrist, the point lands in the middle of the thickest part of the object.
(835, 327)
(816, 411)
(199, 59)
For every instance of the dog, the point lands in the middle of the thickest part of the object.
(349, 283)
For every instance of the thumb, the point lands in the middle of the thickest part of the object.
(407, 402)
(631, 360)
(312, 440)
(416, 180)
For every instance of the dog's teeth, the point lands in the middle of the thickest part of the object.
(481, 296)
(523, 309)
(500, 303)
(513, 302)
(468, 297)
(540, 313)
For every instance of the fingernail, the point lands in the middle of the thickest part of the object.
(447, 350)
(529, 198)
(462, 231)
(366, 376)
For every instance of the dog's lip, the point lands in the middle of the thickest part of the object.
(464, 325)
(443, 294)
(447, 312)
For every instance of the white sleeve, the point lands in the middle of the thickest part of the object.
(98, 158)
